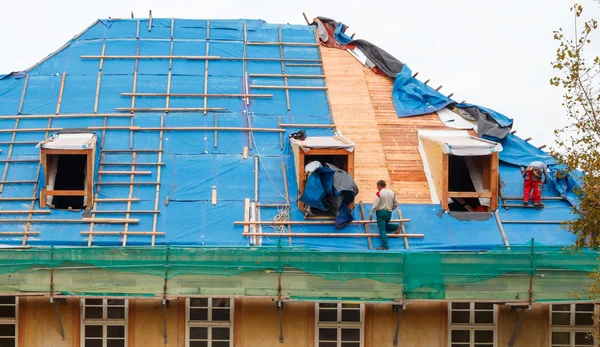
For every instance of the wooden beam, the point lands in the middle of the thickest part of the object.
(157, 57)
(321, 222)
(214, 195)
(305, 18)
(528, 139)
(445, 182)
(363, 216)
(548, 198)
(173, 109)
(542, 147)
(60, 93)
(494, 174)
(438, 88)
(288, 87)
(532, 222)
(74, 221)
(66, 192)
(122, 232)
(128, 164)
(331, 235)
(127, 183)
(499, 222)
(470, 194)
(125, 172)
(116, 199)
(127, 211)
(315, 126)
(24, 212)
(402, 228)
(282, 43)
(286, 75)
(201, 95)
(62, 116)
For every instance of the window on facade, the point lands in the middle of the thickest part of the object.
(8, 321)
(104, 323)
(571, 324)
(209, 322)
(339, 325)
(472, 324)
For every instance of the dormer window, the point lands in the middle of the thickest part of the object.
(322, 155)
(462, 170)
(68, 160)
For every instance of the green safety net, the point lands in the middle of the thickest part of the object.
(501, 274)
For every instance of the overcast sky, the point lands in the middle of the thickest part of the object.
(489, 52)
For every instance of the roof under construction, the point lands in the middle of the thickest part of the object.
(191, 120)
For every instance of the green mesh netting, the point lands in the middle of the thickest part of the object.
(501, 274)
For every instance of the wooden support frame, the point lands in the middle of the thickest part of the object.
(135, 128)
(300, 162)
(73, 221)
(206, 63)
(12, 139)
(287, 75)
(254, 86)
(402, 227)
(193, 57)
(320, 222)
(201, 95)
(88, 192)
(287, 196)
(490, 176)
(335, 235)
(285, 80)
(64, 116)
(363, 216)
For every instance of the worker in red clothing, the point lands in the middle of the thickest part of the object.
(534, 178)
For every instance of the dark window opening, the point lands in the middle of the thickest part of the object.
(69, 175)
(459, 180)
(341, 161)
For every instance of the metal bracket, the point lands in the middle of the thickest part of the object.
(397, 328)
(60, 325)
(516, 329)
(280, 308)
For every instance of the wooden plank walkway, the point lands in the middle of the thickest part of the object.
(354, 115)
(362, 107)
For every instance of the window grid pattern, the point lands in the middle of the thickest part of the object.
(8, 321)
(571, 325)
(104, 322)
(472, 324)
(209, 322)
(339, 325)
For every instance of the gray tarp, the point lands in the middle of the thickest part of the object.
(382, 59)
(486, 125)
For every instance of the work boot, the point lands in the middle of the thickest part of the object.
(538, 205)
(525, 202)
(382, 248)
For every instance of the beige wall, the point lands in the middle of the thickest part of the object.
(257, 324)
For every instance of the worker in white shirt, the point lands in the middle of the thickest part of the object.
(384, 203)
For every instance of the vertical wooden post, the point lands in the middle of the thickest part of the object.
(206, 63)
(494, 181)
(445, 172)
(285, 80)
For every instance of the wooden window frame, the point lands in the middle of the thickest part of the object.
(209, 323)
(472, 326)
(12, 321)
(104, 321)
(492, 176)
(339, 325)
(572, 328)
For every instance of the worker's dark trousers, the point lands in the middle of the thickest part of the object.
(384, 225)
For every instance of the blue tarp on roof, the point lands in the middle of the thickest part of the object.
(196, 162)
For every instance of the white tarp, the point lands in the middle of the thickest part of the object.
(70, 141)
(324, 142)
(459, 142)
(455, 121)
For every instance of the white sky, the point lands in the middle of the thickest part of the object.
(493, 53)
